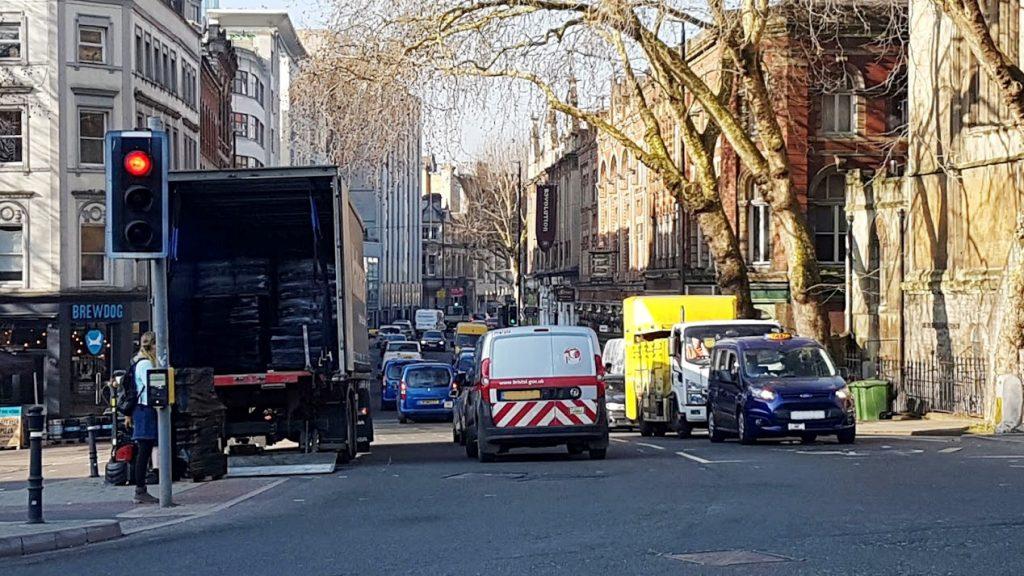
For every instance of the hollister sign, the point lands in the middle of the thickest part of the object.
(547, 210)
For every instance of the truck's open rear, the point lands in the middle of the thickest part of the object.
(266, 284)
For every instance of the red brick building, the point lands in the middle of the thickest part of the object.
(841, 106)
(217, 139)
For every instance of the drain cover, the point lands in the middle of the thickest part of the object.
(729, 558)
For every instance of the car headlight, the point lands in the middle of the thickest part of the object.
(843, 393)
(766, 394)
(696, 398)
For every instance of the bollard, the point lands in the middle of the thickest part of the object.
(92, 427)
(35, 464)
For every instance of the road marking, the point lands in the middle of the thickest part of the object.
(1001, 457)
(700, 460)
(619, 440)
(951, 449)
(655, 446)
(831, 452)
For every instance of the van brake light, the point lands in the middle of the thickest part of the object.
(401, 388)
(600, 365)
(485, 372)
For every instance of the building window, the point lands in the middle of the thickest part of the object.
(759, 229)
(827, 218)
(10, 41)
(259, 90)
(174, 73)
(247, 162)
(11, 252)
(240, 123)
(92, 244)
(91, 127)
(241, 83)
(839, 106)
(149, 58)
(91, 44)
(138, 51)
(11, 136)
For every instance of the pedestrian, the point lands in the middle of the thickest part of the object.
(144, 419)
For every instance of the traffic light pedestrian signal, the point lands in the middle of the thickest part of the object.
(136, 165)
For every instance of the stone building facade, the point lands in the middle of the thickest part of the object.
(69, 72)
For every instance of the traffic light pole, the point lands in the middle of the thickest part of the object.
(158, 282)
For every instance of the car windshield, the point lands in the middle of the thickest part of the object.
(700, 340)
(464, 340)
(797, 362)
(403, 347)
(433, 335)
(394, 371)
(427, 377)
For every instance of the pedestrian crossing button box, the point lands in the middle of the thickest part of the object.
(160, 386)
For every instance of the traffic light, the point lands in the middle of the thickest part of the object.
(513, 315)
(136, 194)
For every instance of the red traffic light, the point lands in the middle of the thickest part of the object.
(138, 163)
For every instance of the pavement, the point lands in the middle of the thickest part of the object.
(907, 505)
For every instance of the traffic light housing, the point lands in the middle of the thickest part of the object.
(513, 315)
(137, 202)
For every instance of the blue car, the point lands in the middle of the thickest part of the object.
(425, 391)
(777, 385)
(391, 377)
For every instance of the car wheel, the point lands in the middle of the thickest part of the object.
(482, 454)
(714, 434)
(402, 419)
(847, 436)
(684, 429)
(808, 438)
(598, 453)
(743, 429)
(455, 435)
(659, 430)
(646, 428)
(471, 447)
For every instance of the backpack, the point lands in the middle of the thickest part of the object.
(127, 392)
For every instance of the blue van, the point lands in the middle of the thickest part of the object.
(391, 376)
(777, 385)
(425, 391)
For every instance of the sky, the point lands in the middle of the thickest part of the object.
(458, 140)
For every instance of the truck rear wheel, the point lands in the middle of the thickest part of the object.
(683, 428)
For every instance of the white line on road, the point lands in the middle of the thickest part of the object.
(1001, 457)
(655, 446)
(951, 449)
(619, 440)
(696, 459)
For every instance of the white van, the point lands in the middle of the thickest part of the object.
(429, 319)
(536, 386)
(691, 344)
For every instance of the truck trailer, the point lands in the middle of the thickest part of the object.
(266, 286)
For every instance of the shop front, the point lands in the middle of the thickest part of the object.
(60, 352)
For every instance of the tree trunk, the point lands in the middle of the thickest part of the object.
(791, 226)
(730, 267)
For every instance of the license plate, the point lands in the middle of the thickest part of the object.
(429, 402)
(796, 426)
(521, 395)
(807, 415)
(448, 404)
(577, 410)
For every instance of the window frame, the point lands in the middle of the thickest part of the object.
(105, 114)
(759, 248)
(20, 136)
(102, 45)
(82, 254)
(20, 280)
(822, 199)
(18, 27)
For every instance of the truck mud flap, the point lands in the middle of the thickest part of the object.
(285, 464)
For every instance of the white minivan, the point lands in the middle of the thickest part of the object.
(429, 319)
(536, 386)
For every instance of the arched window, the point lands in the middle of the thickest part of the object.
(92, 242)
(826, 214)
(839, 103)
(759, 228)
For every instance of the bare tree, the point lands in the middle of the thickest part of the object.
(494, 221)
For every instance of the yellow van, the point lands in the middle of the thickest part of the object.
(466, 335)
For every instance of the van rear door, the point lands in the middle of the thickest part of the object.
(543, 379)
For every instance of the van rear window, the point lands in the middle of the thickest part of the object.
(541, 356)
